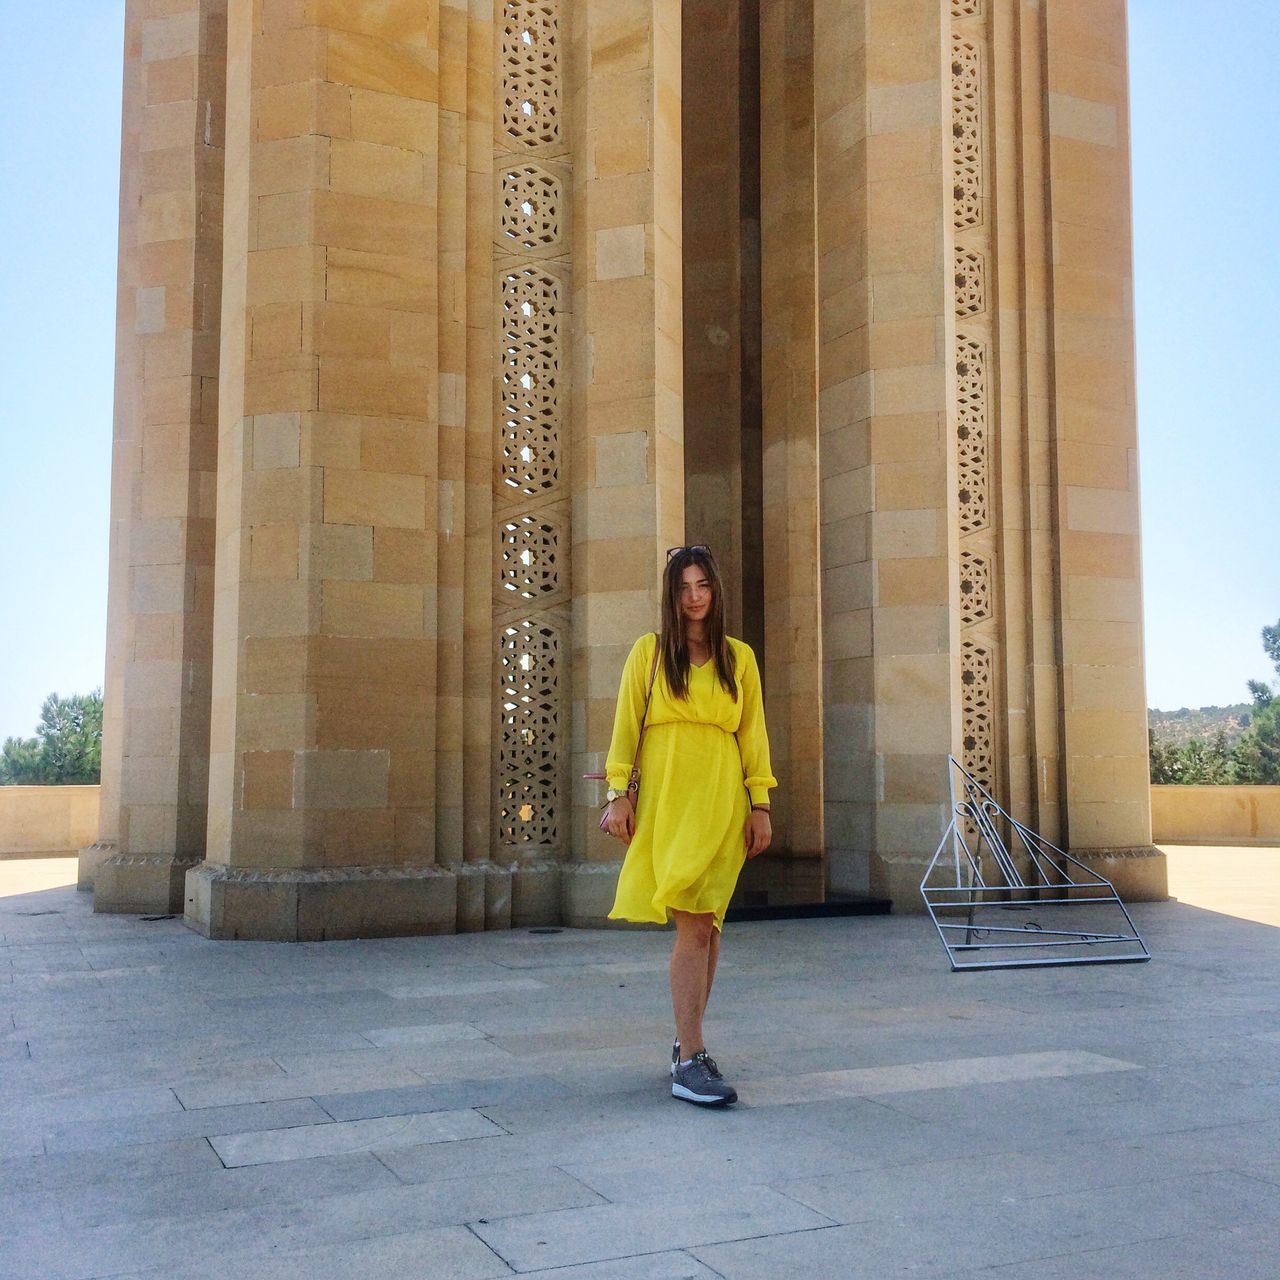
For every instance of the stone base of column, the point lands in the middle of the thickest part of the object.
(497, 896)
(535, 894)
(469, 881)
(91, 857)
(899, 881)
(289, 905)
(1139, 874)
(586, 895)
(141, 885)
(849, 871)
(780, 879)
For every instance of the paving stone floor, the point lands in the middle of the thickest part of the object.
(493, 1104)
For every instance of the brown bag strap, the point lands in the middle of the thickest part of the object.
(633, 783)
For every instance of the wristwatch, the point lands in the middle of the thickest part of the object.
(613, 794)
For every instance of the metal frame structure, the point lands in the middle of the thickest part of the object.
(988, 936)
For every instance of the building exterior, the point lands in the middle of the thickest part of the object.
(440, 320)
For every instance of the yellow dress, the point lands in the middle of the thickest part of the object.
(700, 761)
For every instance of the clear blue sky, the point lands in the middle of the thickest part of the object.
(1206, 115)
(1206, 186)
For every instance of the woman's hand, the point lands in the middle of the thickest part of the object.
(759, 833)
(622, 819)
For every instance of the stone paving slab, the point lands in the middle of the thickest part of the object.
(674, 1265)
(79, 1072)
(158, 1194)
(74, 1171)
(917, 1077)
(895, 1118)
(468, 1056)
(206, 1040)
(447, 988)
(137, 1130)
(518, 1091)
(383, 1133)
(1249, 1252)
(386, 1037)
(930, 1243)
(535, 1241)
(257, 1233)
(16, 1141)
(414, 1255)
(269, 1086)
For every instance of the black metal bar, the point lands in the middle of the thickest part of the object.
(1048, 962)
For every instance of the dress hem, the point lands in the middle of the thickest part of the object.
(667, 920)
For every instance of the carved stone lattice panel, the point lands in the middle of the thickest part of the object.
(971, 434)
(531, 238)
(529, 714)
(529, 305)
(529, 547)
(530, 74)
(966, 128)
(531, 207)
(977, 710)
(975, 588)
(966, 8)
(971, 288)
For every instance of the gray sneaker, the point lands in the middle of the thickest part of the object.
(675, 1058)
(700, 1081)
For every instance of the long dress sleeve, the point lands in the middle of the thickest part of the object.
(629, 713)
(753, 740)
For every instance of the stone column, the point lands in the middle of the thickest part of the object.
(885, 328)
(167, 407)
(324, 790)
(628, 504)
(715, 237)
(471, 400)
(125, 418)
(1105, 784)
(793, 671)
(1004, 299)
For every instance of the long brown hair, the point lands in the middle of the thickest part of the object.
(672, 643)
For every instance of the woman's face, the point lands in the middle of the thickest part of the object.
(695, 593)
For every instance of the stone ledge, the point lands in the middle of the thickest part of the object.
(140, 884)
(326, 875)
(586, 894)
(300, 904)
(1139, 873)
(91, 857)
(284, 904)
(779, 878)
(536, 893)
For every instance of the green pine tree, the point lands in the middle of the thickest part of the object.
(1258, 751)
(21, 763)
(67, 747)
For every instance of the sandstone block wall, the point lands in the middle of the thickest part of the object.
(440, 321)
(47, 820)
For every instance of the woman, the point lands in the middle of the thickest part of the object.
(703, 805)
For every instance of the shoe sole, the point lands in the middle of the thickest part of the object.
(702, 1099)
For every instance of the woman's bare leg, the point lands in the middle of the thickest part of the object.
(691, 966)
(713, 955)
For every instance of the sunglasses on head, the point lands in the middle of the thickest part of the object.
(697, 546)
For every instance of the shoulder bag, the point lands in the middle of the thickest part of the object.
(633, 782)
